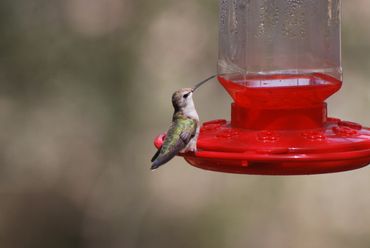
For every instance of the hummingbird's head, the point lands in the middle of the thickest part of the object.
(182, 98)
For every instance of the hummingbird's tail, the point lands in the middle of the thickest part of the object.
(156, 155)
(161, 160)
(154, 166)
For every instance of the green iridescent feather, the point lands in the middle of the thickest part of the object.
(178, 136)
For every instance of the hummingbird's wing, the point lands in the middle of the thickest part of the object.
(178, 136)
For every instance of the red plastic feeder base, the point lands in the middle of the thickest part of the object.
(340, 146)
(280, 130)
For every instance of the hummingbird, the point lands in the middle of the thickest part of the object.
(183, 133)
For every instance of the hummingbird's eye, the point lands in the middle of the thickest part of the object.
(186, 95)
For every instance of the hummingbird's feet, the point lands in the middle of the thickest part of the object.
(192, 147)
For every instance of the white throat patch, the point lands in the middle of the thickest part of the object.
(190, 111)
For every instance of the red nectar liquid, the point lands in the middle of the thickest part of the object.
(281, 91)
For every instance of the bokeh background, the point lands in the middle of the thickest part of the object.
(85, 86)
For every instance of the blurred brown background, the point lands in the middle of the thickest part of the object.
(85, 86)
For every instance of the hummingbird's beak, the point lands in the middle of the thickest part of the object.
(204, 81)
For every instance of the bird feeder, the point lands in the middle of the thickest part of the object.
(280, 60)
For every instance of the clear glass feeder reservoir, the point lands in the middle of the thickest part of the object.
(280, 54)
(280, 60)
